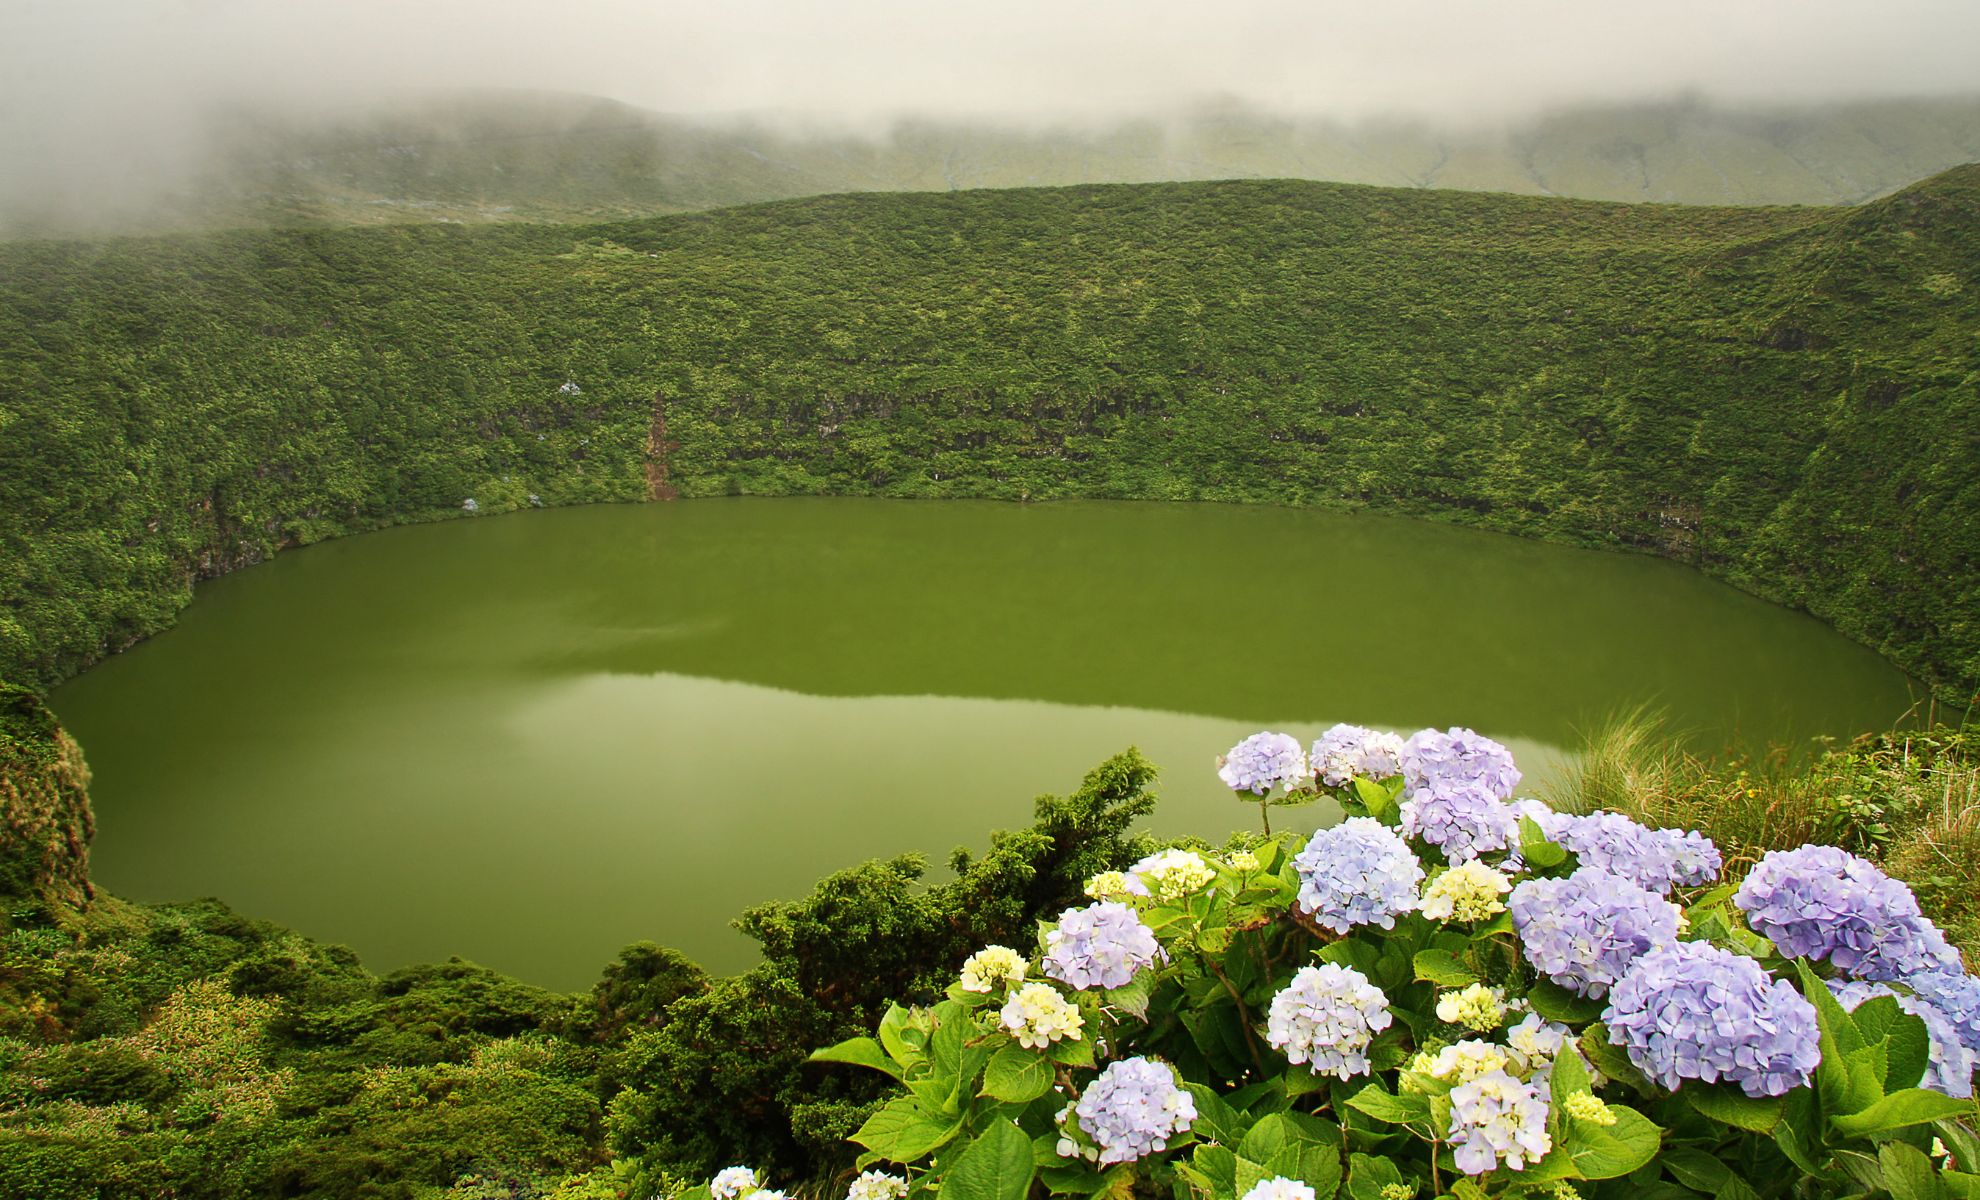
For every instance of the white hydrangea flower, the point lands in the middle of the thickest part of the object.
(1586, 1106)
(1327, 1016)
(1279, 1188)
(1476, 1007)
(1174, 875)
(1470, 891)
(1037, 1015)
(1462, 1062)
(1113, 885)
(993, 965)
(1536, 1037)
(1242, 860)
(732, 1183)
(877, 1185)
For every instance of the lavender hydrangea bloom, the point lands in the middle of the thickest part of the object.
(1346, 751)
(1357, 873)
(1446, 761)
(1654, 859)
(1957, 995)
(1133, 1108)
(1694, 1011)
(1102, 945)
(1583, 932)
(1463, 824)
(1698, 859)
(1262, 762)
(1949, 1064)
(1820, 902)
(1327, 1016)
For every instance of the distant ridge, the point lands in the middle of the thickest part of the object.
(521, 156)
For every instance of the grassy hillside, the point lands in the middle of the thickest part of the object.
(519, 156)
(1788, 398)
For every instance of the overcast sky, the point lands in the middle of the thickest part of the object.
(1024, 58)
(83, 82)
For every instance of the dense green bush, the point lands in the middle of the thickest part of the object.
(183, 1050)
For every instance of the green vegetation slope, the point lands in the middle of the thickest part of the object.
(1785, 397)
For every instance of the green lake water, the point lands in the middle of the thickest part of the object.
(529, 740)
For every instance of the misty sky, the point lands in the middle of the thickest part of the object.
(94, 81)
(1023, 58)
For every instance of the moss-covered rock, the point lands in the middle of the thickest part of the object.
(45, 819)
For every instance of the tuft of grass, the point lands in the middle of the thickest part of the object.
(1908, 800)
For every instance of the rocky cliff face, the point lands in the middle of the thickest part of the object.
(45, 819)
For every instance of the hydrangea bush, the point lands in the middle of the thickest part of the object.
(1449, 992)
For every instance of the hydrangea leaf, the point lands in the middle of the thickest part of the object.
(1385, 1106)
(1694, 1168)
(904, 1132)
(1131, 998)
(905, 1044)
(1799, 1134)
(1378, 801)
(1960, 1186)
(996, 1166)
(1442, 968)
(1907, 1045)
(1607, 1151)
(1297, 1146)
(1611, 1060)
(1218, 1166)
(1908, 1174)
(1016, 1075)
(1556, 1003)
(858, 1052)
(1568, 1078)
(1216, 1120)
(1730, 1106)
(1912, 1106)
(1368, 1175)
(1250, 1174)
(1073, 1054)
(1539, 853)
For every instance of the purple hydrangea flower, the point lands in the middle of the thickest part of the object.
(1357, 873)
(1949, 1063)
(1583, 932)
(1653, 859)
(1463, 824)
(1446, 761)
(1326, 1017)
(1346, 751)
(1496, 1117)
(1698, 859)
(1133, 1108)
(1957, 995)
(1102, 945)
(1262, 762)
(1694, 1011)
(1820, 902)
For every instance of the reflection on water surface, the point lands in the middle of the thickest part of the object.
(528, 740)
